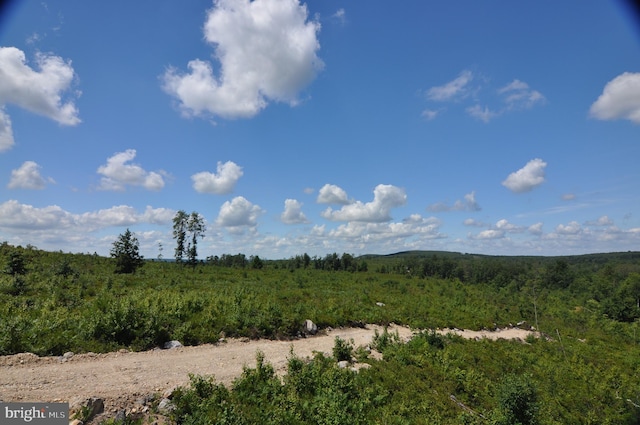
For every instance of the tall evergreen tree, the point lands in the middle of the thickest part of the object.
(126, 251)
(196, 229)
(180, 234)
(186, 231)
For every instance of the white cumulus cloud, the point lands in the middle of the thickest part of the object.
(117, 173)
(22, 217)
(414, 226)
(28, 177)
(292, 213)
(385, 197)
(238, 213)
(536, 229)
(505, 226)
(488, 234)
(17, 216)
(332, 194)
(222, 182)
(573, 228)
(526, 178)
(620, 99)
(267, 51)
(38, 90)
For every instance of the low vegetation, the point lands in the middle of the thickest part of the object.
(585, 369)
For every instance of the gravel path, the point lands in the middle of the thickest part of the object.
(120, 378)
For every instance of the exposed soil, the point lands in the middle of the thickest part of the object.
(122, 378)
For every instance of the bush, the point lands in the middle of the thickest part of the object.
(342, 350)
(517, 404)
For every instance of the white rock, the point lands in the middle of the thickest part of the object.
(310, 327)
(172, 344)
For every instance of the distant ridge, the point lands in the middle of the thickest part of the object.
(594, 257)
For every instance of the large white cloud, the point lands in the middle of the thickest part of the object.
(237, 214)
(20, 217)
(385, 197)
(332, 194)
(28, 177)
(292, 213)
(40, 91)
(223, 182)
(526, 178)
(414, 226)
(620, 99)
(117, 173)
(266, 50)
(454, 89)
(17, 216)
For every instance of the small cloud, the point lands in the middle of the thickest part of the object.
(28, 177)
(602, 221)
(505, 226)
(518, 95)
(620, 99)
(535, 229)
(117, 173)
(474, 223)
(573, 228)
(6, 132)
(568, 197)
(33, 38)
(488, 234)
(430, 114)
(340, 16)
(469, 204)
(332, 194)
(527, 178)
(485, 115)
(221, 183)
(454, 89)
(292, 213)
(309, 190)
(385, 197)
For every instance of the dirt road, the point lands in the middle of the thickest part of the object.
(121, 377)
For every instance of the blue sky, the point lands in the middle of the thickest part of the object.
(326, 126)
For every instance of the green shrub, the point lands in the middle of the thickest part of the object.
(342, 350)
